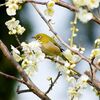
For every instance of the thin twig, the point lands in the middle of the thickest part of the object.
(61, 63)
(77, 89)
(95, 83)
(17, 39)
(25, 77)
(53, 83)
(12, 77)
(23, 91)
(2, 4)
(91, 69)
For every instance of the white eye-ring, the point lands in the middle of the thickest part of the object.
(39, 37)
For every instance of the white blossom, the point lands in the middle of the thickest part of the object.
(73, 58)
(84, 16)
(73, 93)
(76, 58)
(82, 81)
(97, 41)
(32, 55)
(12, 6)
(70, 79)
(75, 90)
(16, 54)
(92, 4)
(97, 60)
(20, 29)
(67, 53)
(12, 24)
(95, 53)
(79, 3)
(14, 27)
(50, 4)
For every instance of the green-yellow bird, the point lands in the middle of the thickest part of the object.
(49, 45)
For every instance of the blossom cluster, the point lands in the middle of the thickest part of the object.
(95, 53)
(67, 68)
(50, 11)
(14, 27)
(77, 87)
(73, 58)
(13, 24)
(85, 6)
(70, 63)
(12, 6)
(30, 57)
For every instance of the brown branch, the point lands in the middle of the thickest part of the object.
(93, 70)
(23, 91)
(61, 3)
(25, 77)
(78, 53)
(92, 74)
(65, 5)
(2, 4)
(61, 63)
(96, 20)
(93, 83)
(65, 44)
(12, 77)
(53, 83)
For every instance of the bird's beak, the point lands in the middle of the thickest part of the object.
(33, 37)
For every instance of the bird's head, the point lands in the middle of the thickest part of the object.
(41, 37)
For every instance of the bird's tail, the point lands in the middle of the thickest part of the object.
(63, 57)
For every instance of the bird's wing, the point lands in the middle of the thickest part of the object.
(51, 49)
(57, 44)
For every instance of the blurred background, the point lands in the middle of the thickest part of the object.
(34, 24)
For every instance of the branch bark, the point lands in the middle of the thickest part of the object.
(12, 77)
(92, 82)
(63, 4)
(25, 77)
(53, 83)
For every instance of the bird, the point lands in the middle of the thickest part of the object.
(49, 46)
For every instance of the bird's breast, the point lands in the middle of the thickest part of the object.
(50, 49)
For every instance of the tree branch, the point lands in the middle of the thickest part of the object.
(25, 77)
(23, 91)
(60, 3)
(12, 77)
(61, 63)
(65, 5)
(91, 82)
(53, 83)
(95, 82)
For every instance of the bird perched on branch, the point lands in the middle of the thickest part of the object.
(49, 46)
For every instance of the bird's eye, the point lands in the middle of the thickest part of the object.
(39, 37)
